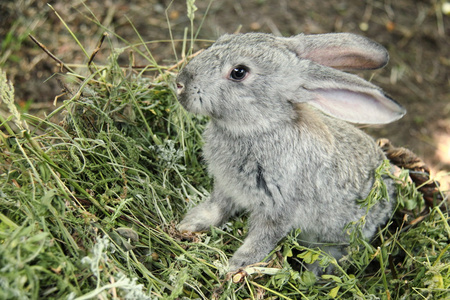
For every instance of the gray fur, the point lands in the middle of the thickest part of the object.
(271, 149)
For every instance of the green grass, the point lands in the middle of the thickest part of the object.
(88, 208)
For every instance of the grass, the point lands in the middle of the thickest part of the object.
(88, 208)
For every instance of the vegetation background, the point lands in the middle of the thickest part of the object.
(98, 166)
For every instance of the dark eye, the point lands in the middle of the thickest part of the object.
(239, 73)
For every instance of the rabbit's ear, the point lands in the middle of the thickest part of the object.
(344, 51)
(347, 97)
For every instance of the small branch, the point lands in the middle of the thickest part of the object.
(184, 60)
(99, 45)
(60, 62)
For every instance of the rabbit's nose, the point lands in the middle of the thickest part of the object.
(180, 88)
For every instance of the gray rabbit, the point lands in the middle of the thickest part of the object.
(279, 145)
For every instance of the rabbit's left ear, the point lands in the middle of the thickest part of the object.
(342, 95)
(355, 104)
(343, 51)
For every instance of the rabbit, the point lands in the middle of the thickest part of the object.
(280, 144)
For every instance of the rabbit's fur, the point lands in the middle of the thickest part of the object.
(271, 149)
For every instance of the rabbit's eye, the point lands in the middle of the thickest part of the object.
(239, 73)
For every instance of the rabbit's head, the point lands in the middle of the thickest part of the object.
(252, 81)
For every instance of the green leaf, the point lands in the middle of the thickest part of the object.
(334, 291)
(308, 278)
(309, 257)
(335, 278)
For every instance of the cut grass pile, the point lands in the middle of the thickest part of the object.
(88, 209)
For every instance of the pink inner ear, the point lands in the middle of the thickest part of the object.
(357, 107)
(347, 58)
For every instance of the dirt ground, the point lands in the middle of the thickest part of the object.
(416, 33)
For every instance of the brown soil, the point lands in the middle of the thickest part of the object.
(416, 33)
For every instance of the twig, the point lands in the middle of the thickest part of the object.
(99, 45)
(60, 62)
(184, 60)
(178, 64)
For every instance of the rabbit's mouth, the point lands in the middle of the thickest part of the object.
(191, 98)
(180, 88)
(182, 94)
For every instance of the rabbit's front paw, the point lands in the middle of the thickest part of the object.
(236, 263)
(244, 256)
(201, 217)
(190, 224)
